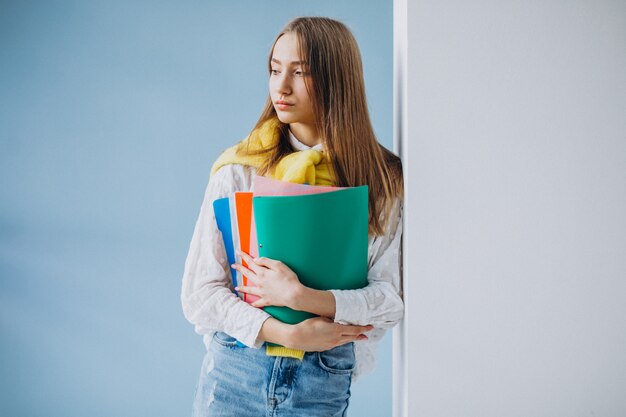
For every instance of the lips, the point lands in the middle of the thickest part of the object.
(283, 105)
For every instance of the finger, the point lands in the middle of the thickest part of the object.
(363, 329)
(345, 340)
(349, 330)
(259, 303)
(248, 290)
(267, 262)
(249, 260)
(246, 272)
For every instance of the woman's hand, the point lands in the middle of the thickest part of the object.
(320, 333)
(275, 283)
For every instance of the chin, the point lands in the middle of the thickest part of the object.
(285, 118)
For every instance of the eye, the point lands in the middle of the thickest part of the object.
(274, 72)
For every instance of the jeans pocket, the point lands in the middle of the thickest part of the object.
(338, 360)
(225, 340)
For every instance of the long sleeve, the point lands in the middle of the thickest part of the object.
(380, 302)
(207, 294)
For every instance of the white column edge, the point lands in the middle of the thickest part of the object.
(400, 124)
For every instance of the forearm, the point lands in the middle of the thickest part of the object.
(319, 302)
(275, 331)
(312, 335)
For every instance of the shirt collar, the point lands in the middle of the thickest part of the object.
(299, 146)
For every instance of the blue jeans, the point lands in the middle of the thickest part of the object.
(240, 381)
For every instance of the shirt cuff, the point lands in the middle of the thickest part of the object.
(350, 307)
(254, 327)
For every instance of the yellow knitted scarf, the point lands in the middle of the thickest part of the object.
(309, 166)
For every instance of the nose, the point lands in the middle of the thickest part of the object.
(284, 84)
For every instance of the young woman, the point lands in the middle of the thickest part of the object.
(315, 128)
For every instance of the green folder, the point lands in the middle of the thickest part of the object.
(323, 238)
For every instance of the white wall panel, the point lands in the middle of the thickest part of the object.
(511, 119)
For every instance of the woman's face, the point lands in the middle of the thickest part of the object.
(288, 79)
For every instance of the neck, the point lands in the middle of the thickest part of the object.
(306, 133)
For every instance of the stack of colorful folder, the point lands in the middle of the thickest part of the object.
(320, 232)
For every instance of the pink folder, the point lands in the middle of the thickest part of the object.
(264, 186)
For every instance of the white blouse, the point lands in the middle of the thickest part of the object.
(210, 304)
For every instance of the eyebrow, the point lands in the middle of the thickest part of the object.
(292, 62)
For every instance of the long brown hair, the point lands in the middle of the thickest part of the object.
(340, 106)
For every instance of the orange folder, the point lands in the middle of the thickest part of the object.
(246, 230)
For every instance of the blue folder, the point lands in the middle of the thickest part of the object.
(221, 207)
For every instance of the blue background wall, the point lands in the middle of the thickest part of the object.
(111, 114)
